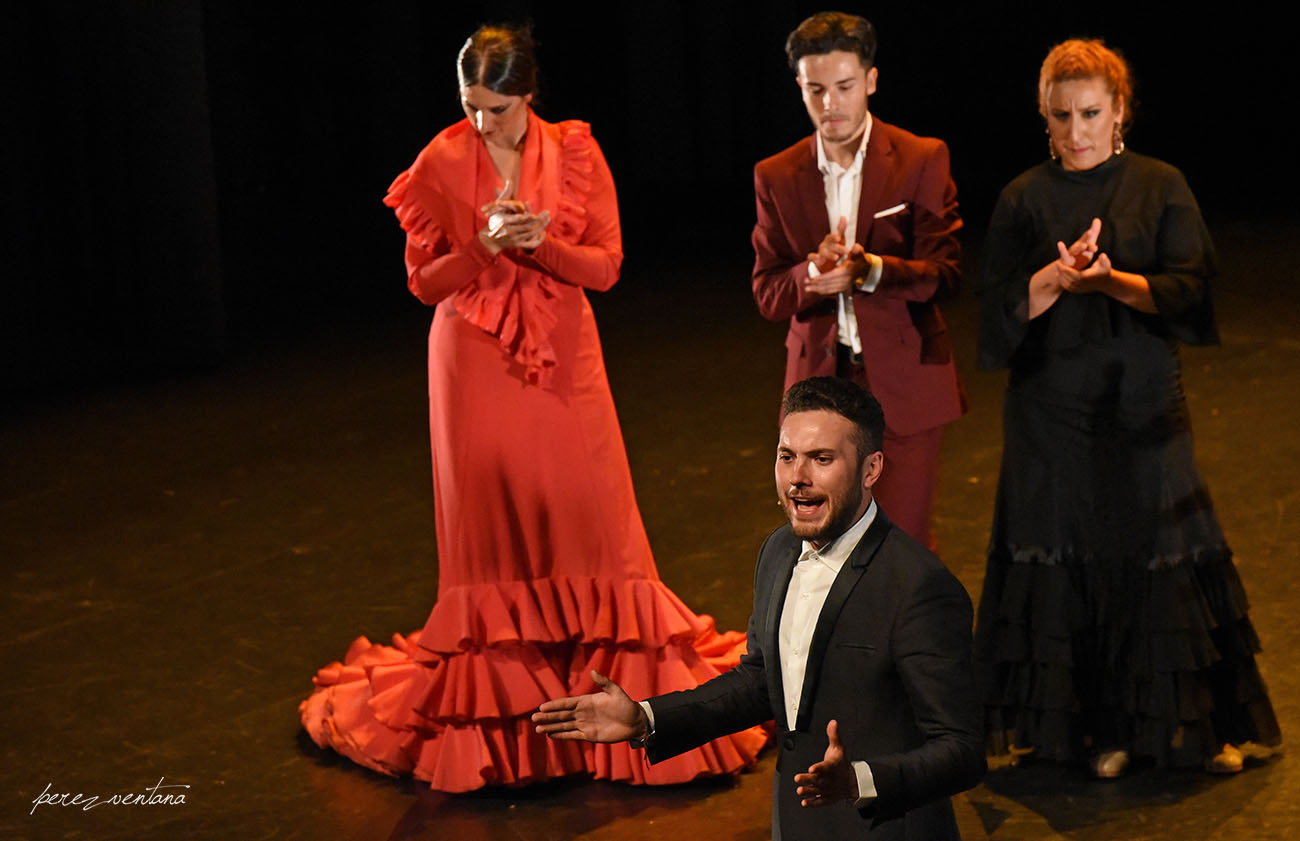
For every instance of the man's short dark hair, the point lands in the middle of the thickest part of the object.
(827, 32)
(844, 398)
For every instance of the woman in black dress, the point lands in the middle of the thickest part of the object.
(1112, 622)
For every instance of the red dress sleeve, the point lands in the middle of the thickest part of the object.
(435, 268)
(585, 246)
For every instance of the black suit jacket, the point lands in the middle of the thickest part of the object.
(890, 661)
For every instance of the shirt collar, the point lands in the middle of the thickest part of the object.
(825, 164)
(835, 553)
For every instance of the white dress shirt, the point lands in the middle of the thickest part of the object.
(810, 583)
(843, 189)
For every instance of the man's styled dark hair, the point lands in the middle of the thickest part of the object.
(844, 398)
(827, 32)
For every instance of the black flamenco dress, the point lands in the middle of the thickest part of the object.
(1111, 615)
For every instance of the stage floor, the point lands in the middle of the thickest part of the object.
(180, 556)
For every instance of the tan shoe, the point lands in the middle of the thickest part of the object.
(1227, 761)
(1109, 764)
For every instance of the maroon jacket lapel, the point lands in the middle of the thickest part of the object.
(811, 190)
(877, 171)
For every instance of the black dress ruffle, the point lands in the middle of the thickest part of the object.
(1111, 615)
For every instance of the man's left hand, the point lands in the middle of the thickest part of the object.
(830, 781)
(840, 279)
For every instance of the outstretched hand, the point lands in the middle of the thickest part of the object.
(605, 716)
(830, 781)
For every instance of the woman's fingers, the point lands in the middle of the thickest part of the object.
(513, 228)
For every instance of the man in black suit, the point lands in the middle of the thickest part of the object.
(859, 648)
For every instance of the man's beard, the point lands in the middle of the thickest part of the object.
(837, 525)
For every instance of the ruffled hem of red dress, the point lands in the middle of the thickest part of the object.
(568, 608)
(450, 704)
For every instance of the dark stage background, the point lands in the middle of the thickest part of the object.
(190, 179)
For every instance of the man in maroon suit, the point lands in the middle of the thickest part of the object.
(855, 238)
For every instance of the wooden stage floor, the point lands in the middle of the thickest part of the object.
(180, 555)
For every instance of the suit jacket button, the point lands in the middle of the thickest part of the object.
(788, 744)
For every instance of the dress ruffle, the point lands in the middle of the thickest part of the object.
(450, 704)
(1165, 666)
(521, 313)
(415, 216)
(570, 218)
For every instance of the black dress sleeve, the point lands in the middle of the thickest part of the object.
(1004, 282)
(1180, 286)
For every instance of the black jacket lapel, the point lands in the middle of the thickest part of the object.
(772, 631)
(843, 586)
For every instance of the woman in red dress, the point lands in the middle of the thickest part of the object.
(545, 571)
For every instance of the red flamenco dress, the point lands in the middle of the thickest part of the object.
(545, 571)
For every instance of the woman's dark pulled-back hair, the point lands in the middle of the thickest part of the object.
(846, 399)
(828, 32)
(501, 59)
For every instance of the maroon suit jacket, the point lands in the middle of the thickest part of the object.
(905, 345)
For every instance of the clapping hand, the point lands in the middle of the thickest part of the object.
(512, 223)
(605, 716)
(1081, 252)
(1080, 268)
(832, 249)
(837, 263)
(832, 780)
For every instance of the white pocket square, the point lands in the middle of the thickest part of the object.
(890, 211)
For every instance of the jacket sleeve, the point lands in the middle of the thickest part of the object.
(931, 648)
(734, 700)
(934, 265)
(780, 267)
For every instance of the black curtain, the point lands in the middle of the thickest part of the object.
(185, 177)
(110, 255)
